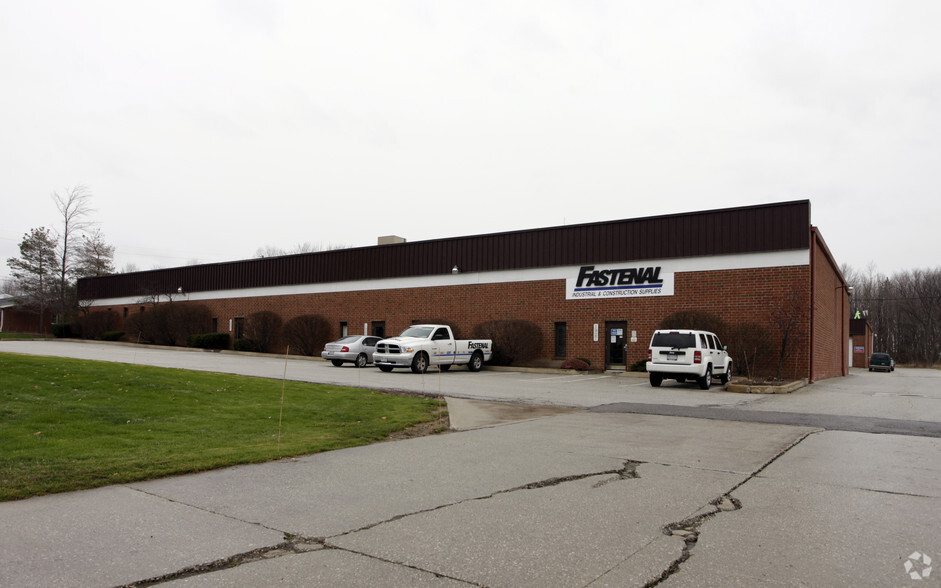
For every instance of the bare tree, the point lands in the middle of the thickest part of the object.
(305, 247)
(74, 207)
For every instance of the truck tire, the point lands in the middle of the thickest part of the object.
(385, 368)
(656, 379)
(706, 381)
(476, 362)
(420, 363)
(444, 367)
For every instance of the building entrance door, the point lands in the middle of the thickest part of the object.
(615, 356)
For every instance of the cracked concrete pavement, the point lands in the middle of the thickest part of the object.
(556, 497)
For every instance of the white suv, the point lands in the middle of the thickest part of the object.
(683, 354)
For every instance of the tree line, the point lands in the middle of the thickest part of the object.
(904, 310)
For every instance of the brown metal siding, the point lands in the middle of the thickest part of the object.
(762, 228)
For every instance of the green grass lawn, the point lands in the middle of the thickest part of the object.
(22, 336)
(68, 424)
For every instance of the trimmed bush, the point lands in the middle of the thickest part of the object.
(62, 330)
(701, 320)
(95, 324)
(639, 366)
(752, 349)
(208, 341)
(170, 323)
(263, 330)
(575, 364)
(514, 340)
(112, 335)
(246, 344)
(307, 334)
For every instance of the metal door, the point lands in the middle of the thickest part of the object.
(615, 356)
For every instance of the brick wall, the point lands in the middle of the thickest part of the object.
(831, 315)
(735, 295)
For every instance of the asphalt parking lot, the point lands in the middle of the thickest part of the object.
(596, 493)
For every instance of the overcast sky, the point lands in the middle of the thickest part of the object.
(206, 130)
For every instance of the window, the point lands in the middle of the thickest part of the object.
(125, 312)
(560, 336)
(239, 328)
(440, 335)
(215, 325)
(379, 329)
(344, 330)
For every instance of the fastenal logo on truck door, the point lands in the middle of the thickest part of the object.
(622, 282)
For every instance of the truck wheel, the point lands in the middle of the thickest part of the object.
(476, 362)
(656, 379)
(336, 362)
(361, 360)
(706, 381)
(420, 363)
(385, 368)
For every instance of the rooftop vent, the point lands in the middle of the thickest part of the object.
(391, 240)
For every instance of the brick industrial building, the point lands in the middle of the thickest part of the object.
(596, 290)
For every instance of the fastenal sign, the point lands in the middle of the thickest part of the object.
(620, 282)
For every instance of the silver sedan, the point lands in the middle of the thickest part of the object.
(355, 349)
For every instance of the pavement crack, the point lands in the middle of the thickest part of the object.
(689, 529)
(627, 471)
(293, 544)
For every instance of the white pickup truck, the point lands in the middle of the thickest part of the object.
(420, 346)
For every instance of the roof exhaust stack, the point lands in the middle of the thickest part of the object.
(391, 240)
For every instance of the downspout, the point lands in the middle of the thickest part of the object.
(813, 298)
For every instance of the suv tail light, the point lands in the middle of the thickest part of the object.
(697, 357)
(650, 355)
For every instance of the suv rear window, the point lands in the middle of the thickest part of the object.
(880, 356)
(674, 340)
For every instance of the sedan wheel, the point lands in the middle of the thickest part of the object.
(361, 360)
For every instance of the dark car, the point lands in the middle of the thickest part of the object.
(882, 362)
(355, 349)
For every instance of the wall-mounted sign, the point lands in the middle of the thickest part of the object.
(859, 349)
(618, 282)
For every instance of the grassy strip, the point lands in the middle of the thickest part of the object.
(68, 424)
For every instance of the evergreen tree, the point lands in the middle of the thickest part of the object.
(35, 272)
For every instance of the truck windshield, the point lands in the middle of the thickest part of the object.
(674, 340)
(420, 332)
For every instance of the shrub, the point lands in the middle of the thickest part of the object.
(575, 364)
(514, 340)
(246, 344)
(171, 323)
(751, 348)
(208, 341)
(263, 329)
(112, 335)
(696, 319)
(93, 325)
(62, 330)
(307, 334)
(639, 366)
